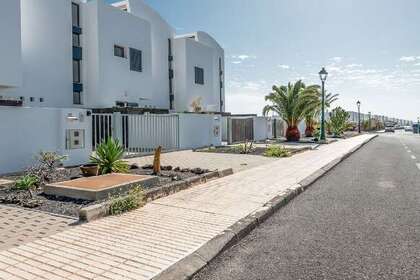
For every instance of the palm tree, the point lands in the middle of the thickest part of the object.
(292, 103)
(312, 116)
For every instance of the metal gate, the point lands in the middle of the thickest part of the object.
(138, 134)
(144, 133)
(242, 129)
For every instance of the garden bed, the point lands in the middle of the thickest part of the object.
(257, 149)
(69, 206)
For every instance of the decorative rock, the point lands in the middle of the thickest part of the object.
(134, 166)
(147, 166)
(166, 168)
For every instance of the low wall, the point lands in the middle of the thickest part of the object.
(27, 131)
(199, 130)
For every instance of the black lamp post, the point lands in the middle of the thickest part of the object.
(323, 76)
(358, 116)
(370, 121)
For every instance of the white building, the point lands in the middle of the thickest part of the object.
(89, 54)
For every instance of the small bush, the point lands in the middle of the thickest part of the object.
(276, 151)
(27, 182)
(244, 148)
(133, 200)
(109, 157)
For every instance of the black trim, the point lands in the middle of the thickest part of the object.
(77, 53)
(12, 103)
(77, 87)
(77, 30)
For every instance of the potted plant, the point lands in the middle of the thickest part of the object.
(90, 169)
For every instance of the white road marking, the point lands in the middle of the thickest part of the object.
(413, 157)
(418, 165)
(408, 151)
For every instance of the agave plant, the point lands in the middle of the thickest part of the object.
(108, 156)
(312, 116)
(292, 103)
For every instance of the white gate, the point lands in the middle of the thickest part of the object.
(138, 134)
(144, 133)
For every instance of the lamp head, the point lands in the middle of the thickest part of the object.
(323, 74)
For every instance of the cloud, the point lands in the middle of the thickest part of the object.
(354, 65)
(337, 59)
(408, 59)
(237, 62)
(244, 56)
(417, 64)
(283, 66)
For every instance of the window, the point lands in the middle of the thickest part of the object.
(119, 51)
(41, 99)
(135, 60)
(77, 98)
(32, 99)
(75, 13)
(76, 71)
(76, 40)
(199, 75)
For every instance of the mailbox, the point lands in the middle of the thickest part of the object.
(75, 139)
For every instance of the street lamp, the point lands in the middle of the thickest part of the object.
(418, 125)
(323, 76)
(358, 116)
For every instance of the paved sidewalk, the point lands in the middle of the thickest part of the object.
(212, 161)
(143, 243)
(19, 226)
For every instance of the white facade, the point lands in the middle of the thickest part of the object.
(10, 45)
(39, 50)
(202, 51)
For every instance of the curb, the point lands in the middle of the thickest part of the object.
(100, 210)
(193, 263)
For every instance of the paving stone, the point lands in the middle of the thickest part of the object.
(142, 243)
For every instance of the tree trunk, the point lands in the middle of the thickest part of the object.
(292, 134)
(156, 161)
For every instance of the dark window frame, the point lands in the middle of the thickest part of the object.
(136, 60)
(77, 77)
(119, 51)
(76, 40)
(199, 75)
(77, 98)
(75, 14)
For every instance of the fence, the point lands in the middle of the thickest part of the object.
(138, 134)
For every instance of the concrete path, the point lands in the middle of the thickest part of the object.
(360, 221)
(212, 161)
(143, 243)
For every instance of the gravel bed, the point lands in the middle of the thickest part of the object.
(70, 207)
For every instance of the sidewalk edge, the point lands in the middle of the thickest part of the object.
(193, 263)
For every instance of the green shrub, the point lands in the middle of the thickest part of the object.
(338, 122)
(108, 156)
(27, 182)
(244, 148)
(133, 200)
(276, 151)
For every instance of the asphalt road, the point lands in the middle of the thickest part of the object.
(360, 221)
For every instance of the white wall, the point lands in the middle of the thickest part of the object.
(46, 53)
(199, 130)
(262, 128)
(109, 78)
(10, 44)
(200, 51)
(27, 131)
(161, 31)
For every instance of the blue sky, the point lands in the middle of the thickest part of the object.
(371, 48)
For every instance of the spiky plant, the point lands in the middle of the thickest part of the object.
(338, 122)
(292, 103)
(108, 156)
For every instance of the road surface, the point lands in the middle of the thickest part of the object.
(360, 221)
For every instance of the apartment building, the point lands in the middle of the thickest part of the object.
(90, 54)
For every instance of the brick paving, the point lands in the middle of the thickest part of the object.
(212, 161)
(19, 226)
(141, 244)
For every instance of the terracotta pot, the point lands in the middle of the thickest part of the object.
(309, 131)
(89, 170)
(292, 134)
